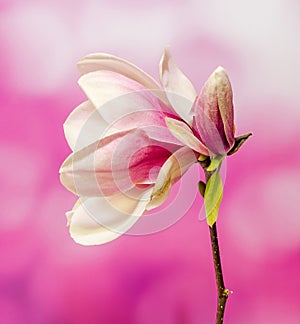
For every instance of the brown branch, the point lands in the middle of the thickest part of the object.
(222, 291)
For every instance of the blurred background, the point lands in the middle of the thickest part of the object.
(165, 277)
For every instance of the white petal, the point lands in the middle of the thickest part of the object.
(182, 132)
(99, 220)
(101, 87)
(125, 104)
(172, 170)
(84, 126)
(102, 61)
(179, 89)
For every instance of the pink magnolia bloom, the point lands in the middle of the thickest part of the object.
(134, 138)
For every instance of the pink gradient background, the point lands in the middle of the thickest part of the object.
(165, 277)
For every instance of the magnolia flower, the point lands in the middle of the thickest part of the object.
(134, 138)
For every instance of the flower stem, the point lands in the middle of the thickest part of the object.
(222, 291)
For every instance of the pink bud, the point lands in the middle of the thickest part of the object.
(213, 113)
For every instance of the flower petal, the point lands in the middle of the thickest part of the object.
(84, 126)
(172, 170)
(125, 104)
(213, 113)
(179, 89)
(182, 131)
(225, 103)
(146, 163)
(117, 96)
(116, 163)
(102, 168)
(152, 122)
(103, 86)
(211, 134)
(102, 61)
(99, 220)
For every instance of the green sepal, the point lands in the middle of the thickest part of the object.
(213, 197)
(215, 162)
(239, 141)
(202, 158)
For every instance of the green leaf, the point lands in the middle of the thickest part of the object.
(215, 162)
(213, 197)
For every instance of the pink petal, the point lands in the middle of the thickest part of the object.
(210, 134)
(151, 123)
(213, 113)
(225, 103)
(99, 220)
(146, 163)
(183, 132)
(102, 168)
(102, 61)
(116, 163)
(172, 170)
(179, 89)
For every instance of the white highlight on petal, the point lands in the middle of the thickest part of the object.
(179, 89)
